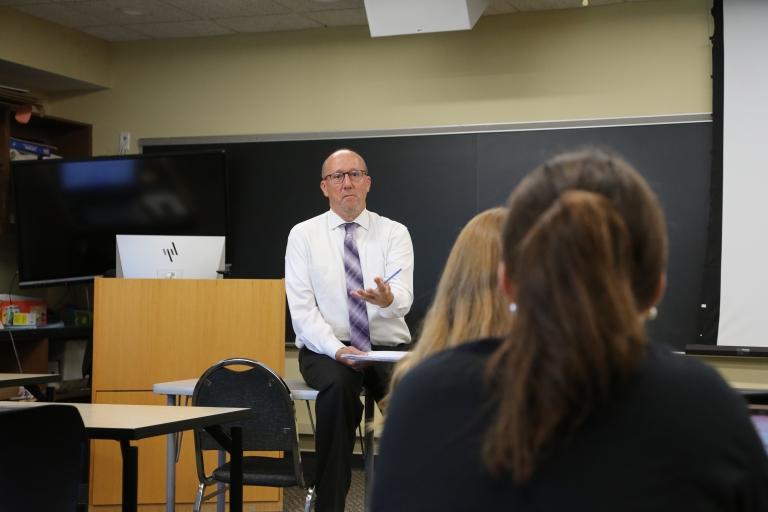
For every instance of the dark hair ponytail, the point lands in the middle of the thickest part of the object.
(577, 329)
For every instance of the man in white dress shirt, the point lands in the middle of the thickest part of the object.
(335, 270)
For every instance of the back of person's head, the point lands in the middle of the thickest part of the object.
(584, 251)
(468, 304)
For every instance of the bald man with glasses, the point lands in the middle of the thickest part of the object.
(340, 303)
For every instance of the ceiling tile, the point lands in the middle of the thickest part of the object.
(277, 22)
(127, 12)
(538, 5)
(499, 7)
(340, 18)
(182, 29)
(61, 15)
(321, 5)
(229, 8)
(14, 3)
(115, 33)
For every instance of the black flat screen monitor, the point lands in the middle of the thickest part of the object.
(69, 211)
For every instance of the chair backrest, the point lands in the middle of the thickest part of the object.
(41, 457)
(272, 423)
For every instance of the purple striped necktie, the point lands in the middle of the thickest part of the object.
(359, 335)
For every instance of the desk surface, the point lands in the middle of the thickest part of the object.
(131, 422)
(300, 390)
(22, 379)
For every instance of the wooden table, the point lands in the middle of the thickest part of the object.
(8, 380)
(126, 423)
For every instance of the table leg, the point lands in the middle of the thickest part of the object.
(170, 465)
(220, 486)
(234, 445)
(130, 476)
(236, 464)
(369, 411)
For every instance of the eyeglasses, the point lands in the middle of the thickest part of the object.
(337, 178)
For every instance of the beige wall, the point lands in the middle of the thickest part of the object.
(633, 59)
(741, 372)
(53, 48)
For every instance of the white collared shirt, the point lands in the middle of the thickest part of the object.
(316, 287)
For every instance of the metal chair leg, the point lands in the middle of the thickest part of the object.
(360, 429)
(311, 419)
(198, 498)
(309, 501)
(362, 439)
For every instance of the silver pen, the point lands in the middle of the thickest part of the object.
(392, 276)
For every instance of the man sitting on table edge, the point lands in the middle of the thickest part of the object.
(340, 304)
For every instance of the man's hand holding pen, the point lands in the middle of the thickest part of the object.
(381, 295)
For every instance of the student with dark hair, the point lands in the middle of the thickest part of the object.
(574, 410)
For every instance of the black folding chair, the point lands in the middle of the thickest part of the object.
(240, 382)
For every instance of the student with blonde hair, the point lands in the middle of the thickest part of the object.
(574, 409)
(468, 304)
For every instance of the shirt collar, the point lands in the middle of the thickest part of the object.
(362, 220)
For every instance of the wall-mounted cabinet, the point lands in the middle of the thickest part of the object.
(68, 139)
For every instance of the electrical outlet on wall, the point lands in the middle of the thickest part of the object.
(125, 142)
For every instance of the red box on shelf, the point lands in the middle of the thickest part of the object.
(18, 310)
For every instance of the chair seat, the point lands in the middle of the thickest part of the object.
(266, 471)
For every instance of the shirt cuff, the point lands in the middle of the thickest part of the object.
(332, 348)
(391, 310)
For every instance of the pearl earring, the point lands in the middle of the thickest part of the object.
(653, 313)
(512, 308)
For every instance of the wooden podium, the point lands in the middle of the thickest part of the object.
(158, 330)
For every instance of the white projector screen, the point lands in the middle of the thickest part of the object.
(744, 263)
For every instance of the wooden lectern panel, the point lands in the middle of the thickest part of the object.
(157, 330)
